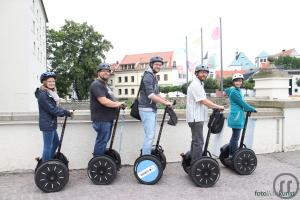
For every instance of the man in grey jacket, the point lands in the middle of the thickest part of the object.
(149, 96)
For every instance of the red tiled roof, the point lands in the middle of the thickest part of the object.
(227, 73)
(289, 52)
(145, 57)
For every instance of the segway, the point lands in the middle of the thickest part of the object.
(52, 175)
(148, 169)
(244, 160)
(204, 172)
(102, 170)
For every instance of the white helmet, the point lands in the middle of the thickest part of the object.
(237, 76)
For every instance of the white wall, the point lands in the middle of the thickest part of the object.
(22, 141)
(274, 88)
(20, 64)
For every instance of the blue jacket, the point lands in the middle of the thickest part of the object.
(238, 107)
(48, 111)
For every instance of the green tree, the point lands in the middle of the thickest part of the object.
(227, 82)
(184, 87)
(210, 84)
(248, 85)
(298, 82)
(288, 62)
(73, 53)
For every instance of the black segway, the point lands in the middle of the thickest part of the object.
(148, 169)
(53, 175)
(102, 170)
(204, 172)
(244, 160)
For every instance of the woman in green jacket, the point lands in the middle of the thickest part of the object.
(236, 116)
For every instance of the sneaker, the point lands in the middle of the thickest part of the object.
(228, 161)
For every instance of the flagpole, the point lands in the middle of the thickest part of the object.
(187, 61)
(221, 54)
(201, 47)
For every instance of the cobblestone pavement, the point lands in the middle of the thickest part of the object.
(174, 184)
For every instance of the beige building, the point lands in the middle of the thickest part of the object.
(127, 75)
(23, 53)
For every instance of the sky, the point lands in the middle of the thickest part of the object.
(142, 26)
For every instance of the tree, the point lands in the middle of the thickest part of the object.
(248, 85)
(288, 62)
(298, 82)
(227, 82)
(74, 52)
(210, 85)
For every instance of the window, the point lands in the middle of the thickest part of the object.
(165, 77)
(120, 79)
(120, 92)
(126, 79)
(132, 91)
(33, 27)
(158, 77)
(126, 91)
(34, 48)
(132, 78)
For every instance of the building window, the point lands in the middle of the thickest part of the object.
(132, 78)
(132, 91)
(120, 79)
(120, 92)
(126, 91)
(126, 79)
(158, 77)
(165, 77)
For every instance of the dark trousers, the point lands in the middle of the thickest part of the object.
(197, 140)
(233, 144)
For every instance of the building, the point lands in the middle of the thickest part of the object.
(262, 60)
(23, 53)
(126, 77)
(241, 62)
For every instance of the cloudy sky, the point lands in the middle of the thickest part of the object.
(138, 26)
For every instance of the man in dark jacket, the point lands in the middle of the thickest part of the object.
(149, 96)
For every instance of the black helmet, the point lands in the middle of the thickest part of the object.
(102, 66)
(201, 68)
(47, 75)
(156, 59)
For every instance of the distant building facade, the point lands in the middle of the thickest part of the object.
(23, 53)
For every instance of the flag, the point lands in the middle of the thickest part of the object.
(206, 56)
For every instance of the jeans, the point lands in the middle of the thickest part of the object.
(197, 140)
(51, 142)
(233, 144)
(149, 122)
(103, 130)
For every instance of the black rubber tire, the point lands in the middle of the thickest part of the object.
(145, 164)
(102, 170)
(224, 153)
(159, 153)
(60, 156)
(186, 162)
(51, 176)
(115, 156)
(244, 161)
(205, 172)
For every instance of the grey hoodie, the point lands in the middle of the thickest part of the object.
(149, 87)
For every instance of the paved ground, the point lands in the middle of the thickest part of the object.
(175, 184)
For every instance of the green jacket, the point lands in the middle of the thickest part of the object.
(238, 107)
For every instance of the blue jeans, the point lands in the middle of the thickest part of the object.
(51, 142)
(233, 144)
(103, 130)
(149, 122)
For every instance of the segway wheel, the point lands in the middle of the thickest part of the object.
(148, 169)
(159, 153)
(244, 161)
(60, 156)
(186, 162)
(224, 153)
(115, 156)
(205, 172)
(102, 170)
(51, 176)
